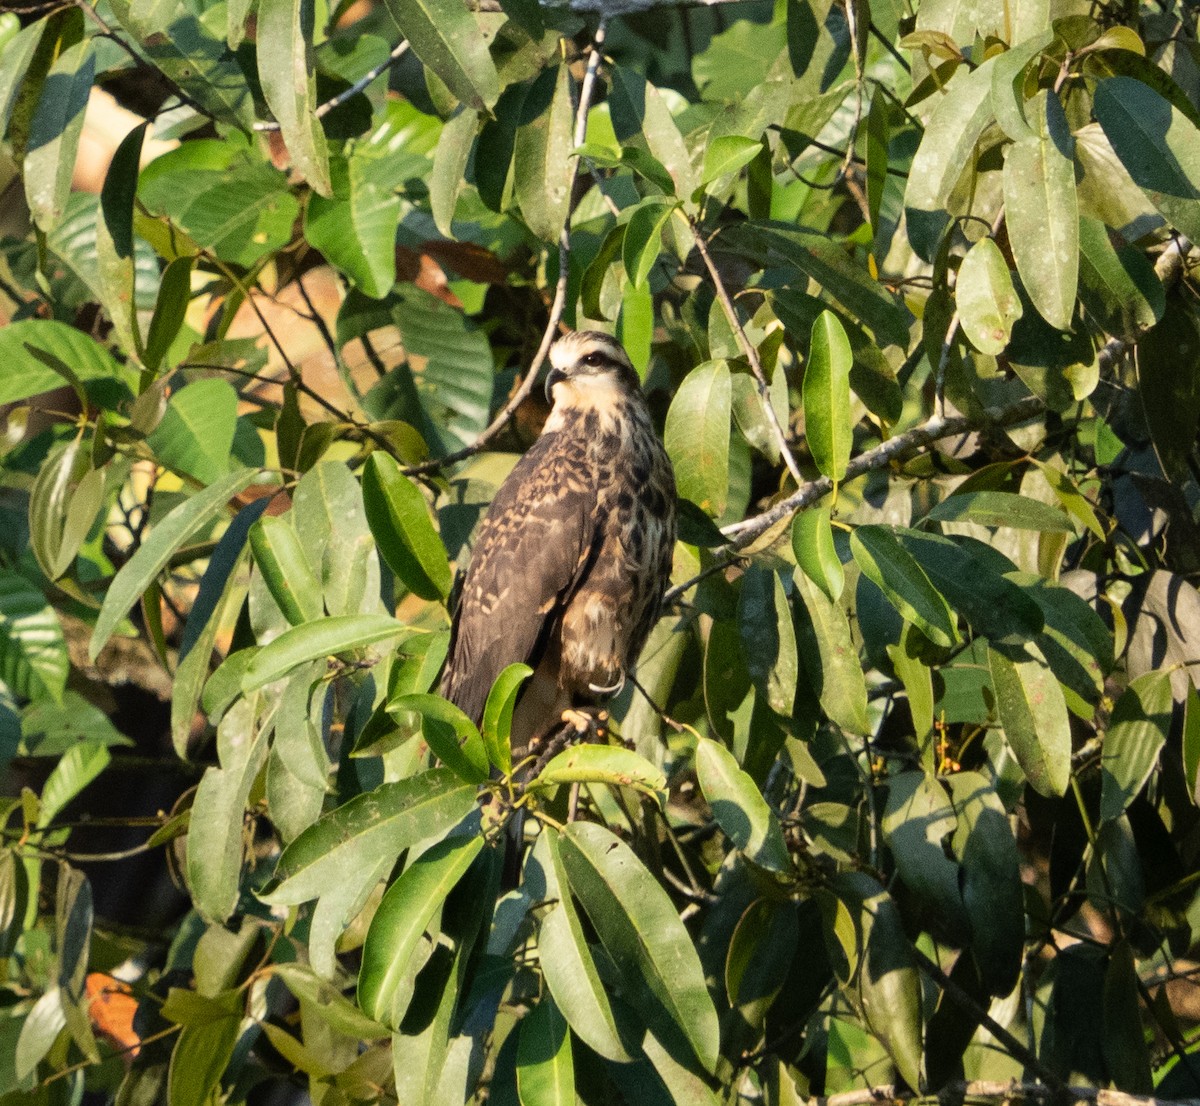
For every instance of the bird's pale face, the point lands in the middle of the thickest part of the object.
(587, 366)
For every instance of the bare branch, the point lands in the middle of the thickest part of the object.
(558, 306)
(988, 1090)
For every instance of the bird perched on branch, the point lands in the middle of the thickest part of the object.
(571, 561)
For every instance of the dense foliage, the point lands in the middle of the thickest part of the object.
(907, 793)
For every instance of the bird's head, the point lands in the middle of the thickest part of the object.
(586, 367)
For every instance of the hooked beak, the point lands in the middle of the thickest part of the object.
(554, 376)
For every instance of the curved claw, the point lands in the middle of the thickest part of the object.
(614, 689)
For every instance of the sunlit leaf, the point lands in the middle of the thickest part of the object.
(697, 436)
(1136, 733)
(827, 425)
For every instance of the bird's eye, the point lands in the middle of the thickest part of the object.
(594, 359)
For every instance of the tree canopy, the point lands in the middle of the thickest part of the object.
(906, 794)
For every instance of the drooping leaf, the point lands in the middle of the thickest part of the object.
(542, 149)
(642, 244)
(326, 637)
(644, 936)
(996, 508)
(496, 724)
(831, 660)
(898, 575)
(739, 808)
(988, 304)
(400, 522)
(812, 543)
(285, 569)
(445, 36)
(697, 436)
(195, 436)
(545, 1067)
(288, 78)
(405, 910)
(33, 653)
(1033, 713)
(827, 425)
(606, 764)
(448, 732)
(174, 295)
(1042, 211)
(1137, 731)
(29, 375)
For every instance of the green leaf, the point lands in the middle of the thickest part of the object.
(1191, 742)
(545, 1067)
(575, 983)
(54, 133)
(993, 508)
(195, 436)
(946, 151)
(27, 375)
(326, 637)
(215, 833)
(1157, 144)
(878, 140)
(639, 927)
(42, 1025)
(542, 149)
(1042, 211)
(739, 808)
(1008, 84)
(19, 53)
(607, 764)
(697, 436)
(1033, 712)
(831, 660)
(77, 767)
(287, 73)
(642, 244)
(285, 569)
(114, 239)
(371, 829)
(641, 118)
(446, 37)
(33, 653)
(496, 724)
(987, 302)
(1137, 732)
(406, 909)
(727, 153)
(174, 295)
(450, 166)
(399, 519)
(760, 953)
(765, 623)
(1167, 360)
(887, 564)
(202, 1053)
(827, 426)
(1118, 287)
(448, 732)
(812, 544)
(153, 555)
(994, 606)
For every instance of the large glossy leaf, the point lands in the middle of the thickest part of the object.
(542, 150)
(399, 519)
(370, 829)
(988, 304)
(324, 638)
(289, 84)
(545, 1067)
(33, 652)
(812, 543)
(697, 436)
(215, 834)
(765, 623)
(405, 910)
(1033, 713)
(114, 238)
(946, 151)
(170, 309)
(152, 556)
(1118, 286)
(448, 732)
(897, 574)
(827, 425)
(1168, 376)
(1157, 144)
(640, 929)
(1042, 211)
(739, 808)
(54, 133)
(641, 118)
(607, 764)
(450, 166)
(445, 36)
(496, 724)
(76, 768)
(195, 436)
(642, 244)
(1137, 732)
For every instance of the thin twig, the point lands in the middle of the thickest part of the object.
(357, 87)
(559, 303)
(760, 378)
(986, 1089)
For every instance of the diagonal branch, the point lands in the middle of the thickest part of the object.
(751, 354)
(559, 304)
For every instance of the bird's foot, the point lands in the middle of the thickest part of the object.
(579, 720)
